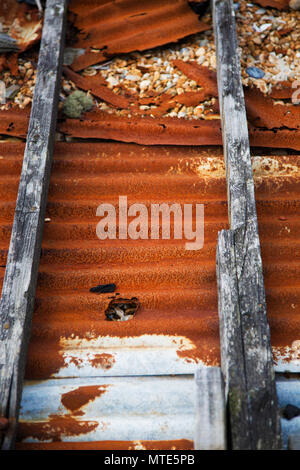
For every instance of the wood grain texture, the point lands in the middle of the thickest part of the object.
(251, 355)
(25, 245)
(210, 430)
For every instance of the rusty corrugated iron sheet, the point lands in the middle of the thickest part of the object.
(109, 28)
(176, 288)
(14, 122)
(177, 324)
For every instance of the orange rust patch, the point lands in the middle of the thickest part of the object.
(105, 361)
(45, 364)
(80, 397)
(55, 428)
(177, 289)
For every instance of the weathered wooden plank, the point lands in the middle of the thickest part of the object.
(232, 353)
(248, 306)
(24, 251)
(210, 431)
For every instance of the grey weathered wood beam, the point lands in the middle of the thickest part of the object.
(246, 353)
(20, 279)
(210, 429)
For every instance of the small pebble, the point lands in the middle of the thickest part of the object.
(132, 78)
(144, 84)
(112, 81)
(255, 72)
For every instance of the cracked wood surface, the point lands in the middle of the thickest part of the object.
(19, 285)
(246, 353)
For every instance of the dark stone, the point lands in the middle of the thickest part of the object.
(103, 289)
(291, 411)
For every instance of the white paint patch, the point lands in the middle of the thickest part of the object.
(144, 341)
(140, 355)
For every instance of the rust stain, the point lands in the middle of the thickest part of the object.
(282, 91)
(55, 428)
(147, 130)
(129, 25)
(104, 360)
(274, 138)
(81, 396)
(181, 444)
